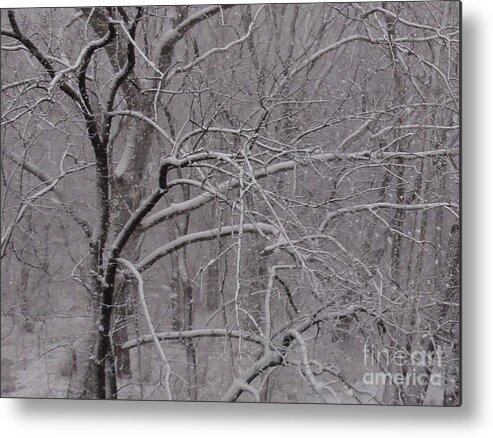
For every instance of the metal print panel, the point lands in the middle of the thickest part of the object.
(239, 203)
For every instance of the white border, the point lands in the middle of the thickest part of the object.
(51, 418)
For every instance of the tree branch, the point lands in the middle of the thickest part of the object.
(275, 358)
(45, 179)
(147, 315)
(168, 39)
(196, 333)
(202, 236)
(383, 205)
(373, 156)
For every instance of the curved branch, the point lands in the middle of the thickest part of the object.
(202, 236)
(45, 179)
(134, 221)
(401, 20)
(140, 284)
(306, 368)
(189, 334)
(215, 50)
(374, 156)
(121, 76)
(127, 231)
(140, 116)
(383, 205)
(168, 39)
(43, 59)
(275, 358)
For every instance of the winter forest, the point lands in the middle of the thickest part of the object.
(252, 203)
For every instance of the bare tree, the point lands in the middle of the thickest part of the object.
(228, 202)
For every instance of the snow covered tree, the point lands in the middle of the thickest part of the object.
(209, 200)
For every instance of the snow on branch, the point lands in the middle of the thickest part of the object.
(173, 35)
(383, 205)
(373, 156)
(47, 180)
(215, 50)
(403, 21)
(85, 52)
(140, 287)
(273, 358)
(203, 236)
(197, 333)
(140, 116)
(307, 370)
